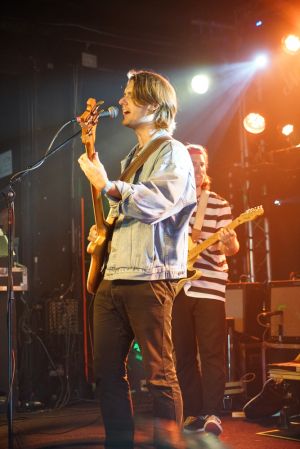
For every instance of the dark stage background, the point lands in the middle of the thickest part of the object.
(55, 55)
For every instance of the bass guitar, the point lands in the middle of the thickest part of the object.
(195, 249)
(98, 249)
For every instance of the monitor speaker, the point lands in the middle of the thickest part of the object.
(244, 301)
(285, 296)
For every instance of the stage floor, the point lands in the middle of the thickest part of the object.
(80, 426)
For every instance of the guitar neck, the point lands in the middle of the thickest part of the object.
(96, 197)
(194, 252)
(98, 208)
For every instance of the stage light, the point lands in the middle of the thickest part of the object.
(261, 60)
(254, 123)
(291, 44)
(287, 129)
(277, 202)
(258, 23)
(200, 83)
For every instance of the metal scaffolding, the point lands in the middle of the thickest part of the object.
(258, 248)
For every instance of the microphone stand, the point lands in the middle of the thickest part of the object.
(10, 195)
(10, 302)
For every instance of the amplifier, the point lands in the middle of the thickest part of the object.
(244, 301)
(285, 296)
(62, 316)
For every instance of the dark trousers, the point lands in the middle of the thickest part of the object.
(125, 310)
(200, 323)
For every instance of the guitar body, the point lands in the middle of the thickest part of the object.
(95, 274)
(98, 251)
(192, 275)
(195, 249)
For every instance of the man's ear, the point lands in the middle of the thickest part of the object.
(152, 108)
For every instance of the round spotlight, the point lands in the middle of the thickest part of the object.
(254, 123)
(200, 84)
(261, 60)
(291, 44)
(287, 129)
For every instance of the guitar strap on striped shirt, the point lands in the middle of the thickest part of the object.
(201, 206)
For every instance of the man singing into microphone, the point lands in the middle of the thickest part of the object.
(148, 254)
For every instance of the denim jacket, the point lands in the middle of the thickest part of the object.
(150, 238)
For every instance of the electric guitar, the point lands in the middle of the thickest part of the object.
(99, 248)
(194, 249)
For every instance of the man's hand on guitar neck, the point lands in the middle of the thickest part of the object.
(93, 234)
(95, 172)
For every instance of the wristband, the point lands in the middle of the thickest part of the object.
(107, 186)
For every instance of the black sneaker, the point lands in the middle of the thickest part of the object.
(194, 424)
(213, 425)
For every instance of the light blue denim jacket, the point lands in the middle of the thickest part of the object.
(150, 238)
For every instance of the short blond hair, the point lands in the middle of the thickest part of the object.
(200, 149)
(153, 89)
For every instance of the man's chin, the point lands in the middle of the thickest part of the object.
(126, 123)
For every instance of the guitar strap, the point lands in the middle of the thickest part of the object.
(135, 165)
(201, 210)
(141, 159)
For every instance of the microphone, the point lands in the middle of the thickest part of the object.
(111, 112)
(280, 324)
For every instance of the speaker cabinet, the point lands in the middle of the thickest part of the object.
(285, 296)
(244, 301)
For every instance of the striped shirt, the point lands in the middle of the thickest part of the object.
(211, 262)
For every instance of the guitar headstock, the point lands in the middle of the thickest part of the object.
(89, 120)
(251, 214)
